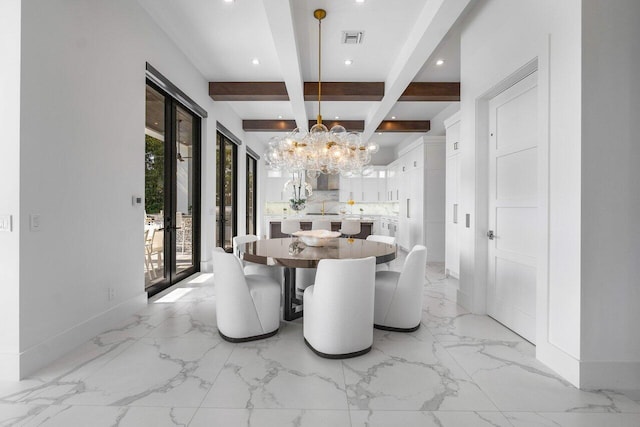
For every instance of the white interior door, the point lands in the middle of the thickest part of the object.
(513, 202)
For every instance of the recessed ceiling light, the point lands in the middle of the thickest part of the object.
(359, 1)
(348, 62)
(255, 61)
(440, 62)
(155, 123)
(228, 1)
(279, 117)
(379, 133)
(337, 117)
(393, 117)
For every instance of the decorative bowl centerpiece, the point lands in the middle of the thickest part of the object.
(317, 237)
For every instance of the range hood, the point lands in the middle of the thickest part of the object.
(325, 182)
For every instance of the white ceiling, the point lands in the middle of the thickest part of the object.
(221, 39)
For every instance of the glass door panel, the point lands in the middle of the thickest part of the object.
(172, 190)
(154, 197)
(251, 194)
(229, 195)
(184, 190)
(226, 194)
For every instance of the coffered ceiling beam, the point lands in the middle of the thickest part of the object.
(280, 17)
(349, 125)
(435, 20)
(248, 91)
(438, 91)
(404, 126)
(399, 126)
(268, 125)
(277, 91)
(345, 91)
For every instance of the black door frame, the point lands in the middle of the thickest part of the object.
(252, 161)
(171, 276)
(222, 141)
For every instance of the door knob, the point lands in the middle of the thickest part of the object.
(490, 234)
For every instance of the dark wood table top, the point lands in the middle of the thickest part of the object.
(292, 252)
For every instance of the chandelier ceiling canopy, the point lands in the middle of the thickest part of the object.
(321, 151)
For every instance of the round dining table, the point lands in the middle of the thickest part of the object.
(291, 253)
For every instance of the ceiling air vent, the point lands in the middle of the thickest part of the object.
(352, 37)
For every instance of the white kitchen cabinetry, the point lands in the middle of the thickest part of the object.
(392, 189)
(274, 191)
(370, 188)
(420, 181)
(453, 215)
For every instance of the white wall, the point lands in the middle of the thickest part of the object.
(9, 187)
(81, 160)
(588, 61)
(500, 37)
(611, 194)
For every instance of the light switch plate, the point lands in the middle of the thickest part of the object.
(5, 222)
(34, 222)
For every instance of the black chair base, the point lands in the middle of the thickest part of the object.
(338, 356)
(392, 329)
(246, 339)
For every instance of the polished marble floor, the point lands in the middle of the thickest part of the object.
(167, 366)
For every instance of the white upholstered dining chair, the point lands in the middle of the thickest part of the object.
(350, 227)
(251, 267)
(321, 224)
(338, 308)
(289, 226)
(398, 304)
(389, 240)
(247, 307)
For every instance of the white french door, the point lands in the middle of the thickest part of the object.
(513, 204)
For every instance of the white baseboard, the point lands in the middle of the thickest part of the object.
(620, 376)
(9, 367)
(44, 353)
(463, 300)
(206, 266)
(567, 366)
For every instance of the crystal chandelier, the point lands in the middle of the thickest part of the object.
(321, 150)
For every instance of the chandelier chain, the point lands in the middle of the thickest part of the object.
(319, 118)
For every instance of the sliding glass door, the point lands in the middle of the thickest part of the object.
(252, 194)
(226, 192)
(172, 190)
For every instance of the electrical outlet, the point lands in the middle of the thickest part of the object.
(111, 294)
(5, 223)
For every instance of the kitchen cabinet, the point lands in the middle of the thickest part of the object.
(370, 188)
(274, 188)
(393, 190)
(420, 180)
(453, 214)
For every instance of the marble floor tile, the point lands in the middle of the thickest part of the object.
(197, 321)
(168, 372)
(278, 374)
(422, 334)
(509, 373)
(168, 366)
(467, 327)
(428, 419)
(418, 376)
(564, 419)
(207, 417)
(96, 416)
